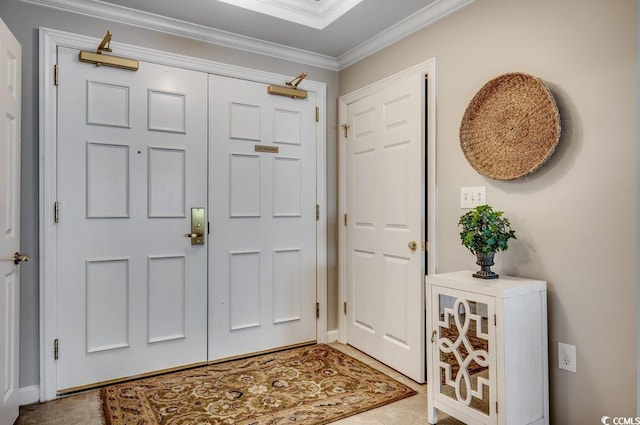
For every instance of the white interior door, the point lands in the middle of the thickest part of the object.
(132, 162)
(10, 122)
(385, 213)
(263, 232)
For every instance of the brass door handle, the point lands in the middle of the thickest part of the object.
(18, 258)
(413, 245)
(197, 226)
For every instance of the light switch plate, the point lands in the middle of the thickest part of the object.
(471, 197)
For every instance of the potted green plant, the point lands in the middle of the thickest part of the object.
(485, 232)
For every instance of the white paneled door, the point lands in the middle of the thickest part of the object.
(132, 162)
(385, 210)
(10, 100)
(263, 236)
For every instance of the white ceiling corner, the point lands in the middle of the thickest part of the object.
(312, 13)
(419, 20)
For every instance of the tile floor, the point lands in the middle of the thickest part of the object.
(85, 409)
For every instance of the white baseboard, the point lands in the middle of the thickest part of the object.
(29, 395)
(333, 336)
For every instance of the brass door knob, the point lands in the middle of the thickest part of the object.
(413, 245)
(18, 258)
(197, 226)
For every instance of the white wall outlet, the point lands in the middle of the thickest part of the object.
(471, 197)
(567, 357)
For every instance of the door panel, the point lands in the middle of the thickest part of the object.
(263, 233)
(132, 161)
(385, 208)
(10, 140)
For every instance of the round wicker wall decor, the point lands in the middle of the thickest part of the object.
(511, 127)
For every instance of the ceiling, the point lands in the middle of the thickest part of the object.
(312, 13)
(330, 34)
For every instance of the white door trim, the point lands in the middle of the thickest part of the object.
(50, 40)
(427, 68)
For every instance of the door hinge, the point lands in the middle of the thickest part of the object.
(55, 349)
(346, 220)
(317, 310)
(208, 227)
(55, 74)
(56, 212)
(317, 212)
(495, 320)
(344, 308)
(346, 130)
(317, 114)
(496, 407)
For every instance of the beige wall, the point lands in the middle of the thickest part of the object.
(24, 21)
(576, 217)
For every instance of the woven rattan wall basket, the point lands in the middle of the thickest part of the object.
(511, 127)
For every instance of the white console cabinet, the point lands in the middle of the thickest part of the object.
(487, 360)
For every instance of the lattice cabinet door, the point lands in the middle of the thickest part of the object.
(464, 339)
(487, 360)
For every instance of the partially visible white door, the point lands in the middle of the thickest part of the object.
(10, 99)
(385, 210)
(263, 233)
(132, 162)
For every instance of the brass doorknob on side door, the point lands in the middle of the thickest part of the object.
(413, 245)
(18, 258)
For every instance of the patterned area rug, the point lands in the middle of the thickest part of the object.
(310, 385)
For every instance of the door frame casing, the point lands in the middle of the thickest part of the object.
(428, 70)
(49, 41)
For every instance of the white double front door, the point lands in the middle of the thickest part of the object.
(136, 152)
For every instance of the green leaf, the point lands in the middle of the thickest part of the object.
(485, 230)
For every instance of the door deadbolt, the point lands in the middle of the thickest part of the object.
(197, 226)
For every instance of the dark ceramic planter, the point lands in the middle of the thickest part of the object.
(485, 261)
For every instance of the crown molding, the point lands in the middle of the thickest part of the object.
(125, 15)
(116, 13)
(419, 20)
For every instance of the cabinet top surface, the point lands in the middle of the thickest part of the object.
(504, 286)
